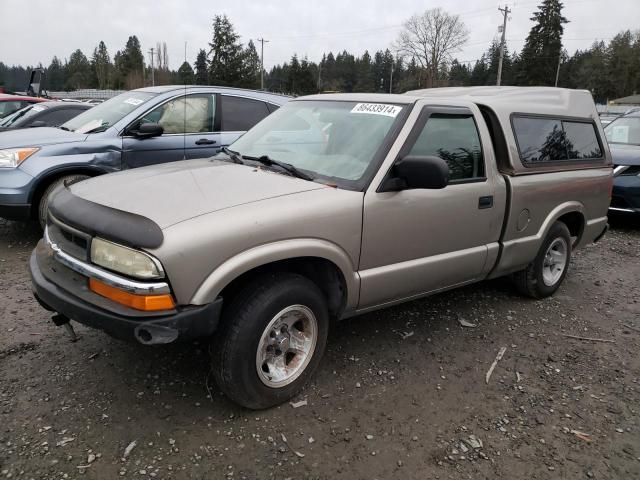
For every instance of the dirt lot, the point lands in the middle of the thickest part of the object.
(398, 395)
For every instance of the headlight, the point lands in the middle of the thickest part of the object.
(125, 260)
(12, 157)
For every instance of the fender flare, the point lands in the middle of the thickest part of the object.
(517, 253)
(556, 213)
(262, 255)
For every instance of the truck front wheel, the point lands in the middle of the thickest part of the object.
(271, 340)
(543, 276)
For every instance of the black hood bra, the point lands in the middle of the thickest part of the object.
(122, 227)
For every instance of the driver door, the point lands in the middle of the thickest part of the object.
(423, 240)
(192, 114)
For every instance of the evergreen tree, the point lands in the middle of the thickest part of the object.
(307, 83)
(118, 73)
(133, 63)
(185, 74)
(480, 72)
(226, 62)
(542, 49)
(78, 71)
(328, 73)
(364, 78)
(101, 66)
(623, 63)
(250, 66)
(201, 76)
(459, 74)
(55, 75)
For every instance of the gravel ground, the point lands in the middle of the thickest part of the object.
(401, 392)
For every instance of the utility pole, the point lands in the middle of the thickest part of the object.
(153, 79)
(391, 78)
(262, 42)
(505, 12)
(558, 69)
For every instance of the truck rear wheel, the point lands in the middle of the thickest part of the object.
(271, 340)
(43, 206)
(543, 276)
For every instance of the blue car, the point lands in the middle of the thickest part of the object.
(137, 128)
(623, 136)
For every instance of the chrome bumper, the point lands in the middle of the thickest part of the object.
(91, 271)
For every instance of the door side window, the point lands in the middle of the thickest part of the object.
(58, 116)
(239, 114)
(190, 114)
(455, 139)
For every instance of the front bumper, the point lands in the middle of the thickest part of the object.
(625, 196)
(15, 194)
(184, 323)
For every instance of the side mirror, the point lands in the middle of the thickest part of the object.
(414, 172)
(38, 123)
(148, 130)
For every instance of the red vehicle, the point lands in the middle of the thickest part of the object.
(12, 103)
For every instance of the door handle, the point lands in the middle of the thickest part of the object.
(485, 202)
(205, 141)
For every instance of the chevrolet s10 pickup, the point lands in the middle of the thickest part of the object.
(332, 206)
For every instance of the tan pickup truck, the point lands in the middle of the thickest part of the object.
(332, 206)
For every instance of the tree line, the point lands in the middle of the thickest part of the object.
(608, 69)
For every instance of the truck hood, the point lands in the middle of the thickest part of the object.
(625, 154)
(38, 137)
(174, 192)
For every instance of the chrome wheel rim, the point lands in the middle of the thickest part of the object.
(286, 346)
(555, 262)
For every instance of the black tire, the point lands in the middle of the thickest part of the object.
(43, 206)
(530, 281)
(235, 345)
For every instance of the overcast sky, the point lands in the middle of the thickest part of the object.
(307, 28)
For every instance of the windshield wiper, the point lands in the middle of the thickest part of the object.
(63, 128)
(233, 155)
(287, 167)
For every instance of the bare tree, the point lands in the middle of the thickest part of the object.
(431, 39)
(163, 76)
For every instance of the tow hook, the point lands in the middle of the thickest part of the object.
(62, 321)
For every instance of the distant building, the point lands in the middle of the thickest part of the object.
(630, 100)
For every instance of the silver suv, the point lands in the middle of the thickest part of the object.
(332, 206)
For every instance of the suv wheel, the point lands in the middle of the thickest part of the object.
(271, 340)
(544, 275)
(43, 206)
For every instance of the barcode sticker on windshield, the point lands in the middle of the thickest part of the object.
(133, 101)
(377, 109)
(38, 108)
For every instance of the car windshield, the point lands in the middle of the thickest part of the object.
(337, 140)
(9, 107)
(624, 130)
(22, 114)
(102, 116)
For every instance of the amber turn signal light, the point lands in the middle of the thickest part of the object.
(147, 303)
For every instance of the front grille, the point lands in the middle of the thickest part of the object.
(618, 202)
(631, 171)
(70, 240)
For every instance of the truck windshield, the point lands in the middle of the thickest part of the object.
(624, 130)
(337, 140)
(102, 116)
